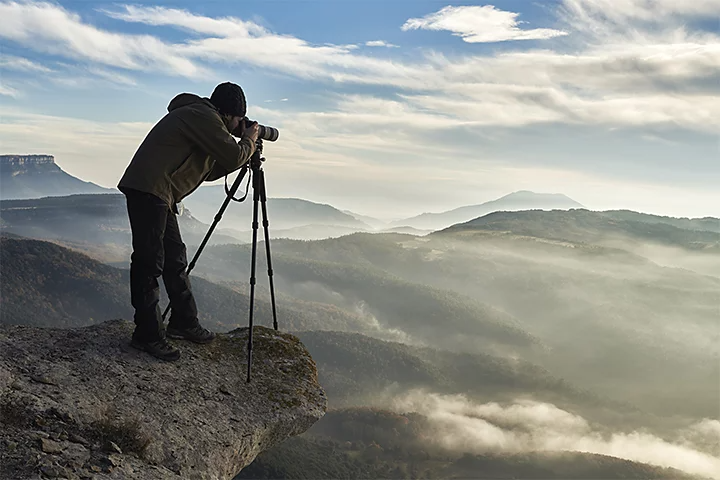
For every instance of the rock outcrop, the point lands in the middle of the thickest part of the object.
(82, 403)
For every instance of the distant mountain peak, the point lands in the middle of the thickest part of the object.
(519, 200)
(38, 175)
(530, 195)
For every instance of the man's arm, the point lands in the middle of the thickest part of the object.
(218, 171)
(208, 131)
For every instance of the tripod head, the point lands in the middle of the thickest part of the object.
(256, 159)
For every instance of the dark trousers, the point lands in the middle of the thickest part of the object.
(158, 250)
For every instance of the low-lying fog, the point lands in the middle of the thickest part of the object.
(526, 425)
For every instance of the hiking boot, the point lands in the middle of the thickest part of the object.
(196, 334)
(157, 348)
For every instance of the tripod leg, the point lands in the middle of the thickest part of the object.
(256, 197)
(263, 199)
(217, 219)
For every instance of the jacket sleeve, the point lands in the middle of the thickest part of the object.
(207, 130)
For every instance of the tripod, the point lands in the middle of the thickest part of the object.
(259, 196)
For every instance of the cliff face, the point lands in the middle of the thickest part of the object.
(23, 163)
(81, 403)
(33, 176)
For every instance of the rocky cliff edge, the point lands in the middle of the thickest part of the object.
(82, 403)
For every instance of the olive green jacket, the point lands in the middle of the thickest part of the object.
(189, 145)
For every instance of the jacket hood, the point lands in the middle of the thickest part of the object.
(185, 99)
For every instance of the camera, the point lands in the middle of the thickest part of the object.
(264, 132)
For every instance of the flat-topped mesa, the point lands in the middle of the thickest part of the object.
(28, 167)
(81, 403)
(38, 176)
(23, 160)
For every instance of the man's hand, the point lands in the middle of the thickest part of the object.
(252, 132)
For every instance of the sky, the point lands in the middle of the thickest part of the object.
(390, 108)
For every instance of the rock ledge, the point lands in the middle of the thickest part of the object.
(82, 403)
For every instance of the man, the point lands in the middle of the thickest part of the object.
(191, 144)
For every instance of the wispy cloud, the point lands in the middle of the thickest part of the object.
(601, 16)
(112, 76)
(20, 64)
(76, 76)
(51, 29)
(234, 40)
(380, 43)
(218, 27)
(8, 90)
(475, 24)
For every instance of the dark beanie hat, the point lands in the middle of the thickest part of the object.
(229, 98)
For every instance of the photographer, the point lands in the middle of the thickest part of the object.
(191, 144)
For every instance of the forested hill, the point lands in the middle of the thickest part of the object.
(589, 227)
(44, 284)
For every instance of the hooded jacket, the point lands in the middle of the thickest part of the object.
(189, 145)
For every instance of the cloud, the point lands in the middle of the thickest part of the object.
(20, 64)
(87, 76)
(112, 76)
(220, 27)
(380, 43)
(372, 327)
(51, 29)
(528, 425)
(66, 74)
(618, 75)
(8, 91)
(230, 39)
(623, 12)
(597, 86)
(477, 24)
(704, 435)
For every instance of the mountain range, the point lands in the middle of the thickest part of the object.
(283, 213)
(37, 176)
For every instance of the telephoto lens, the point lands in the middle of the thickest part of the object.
(268, 133)
(264, 132)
